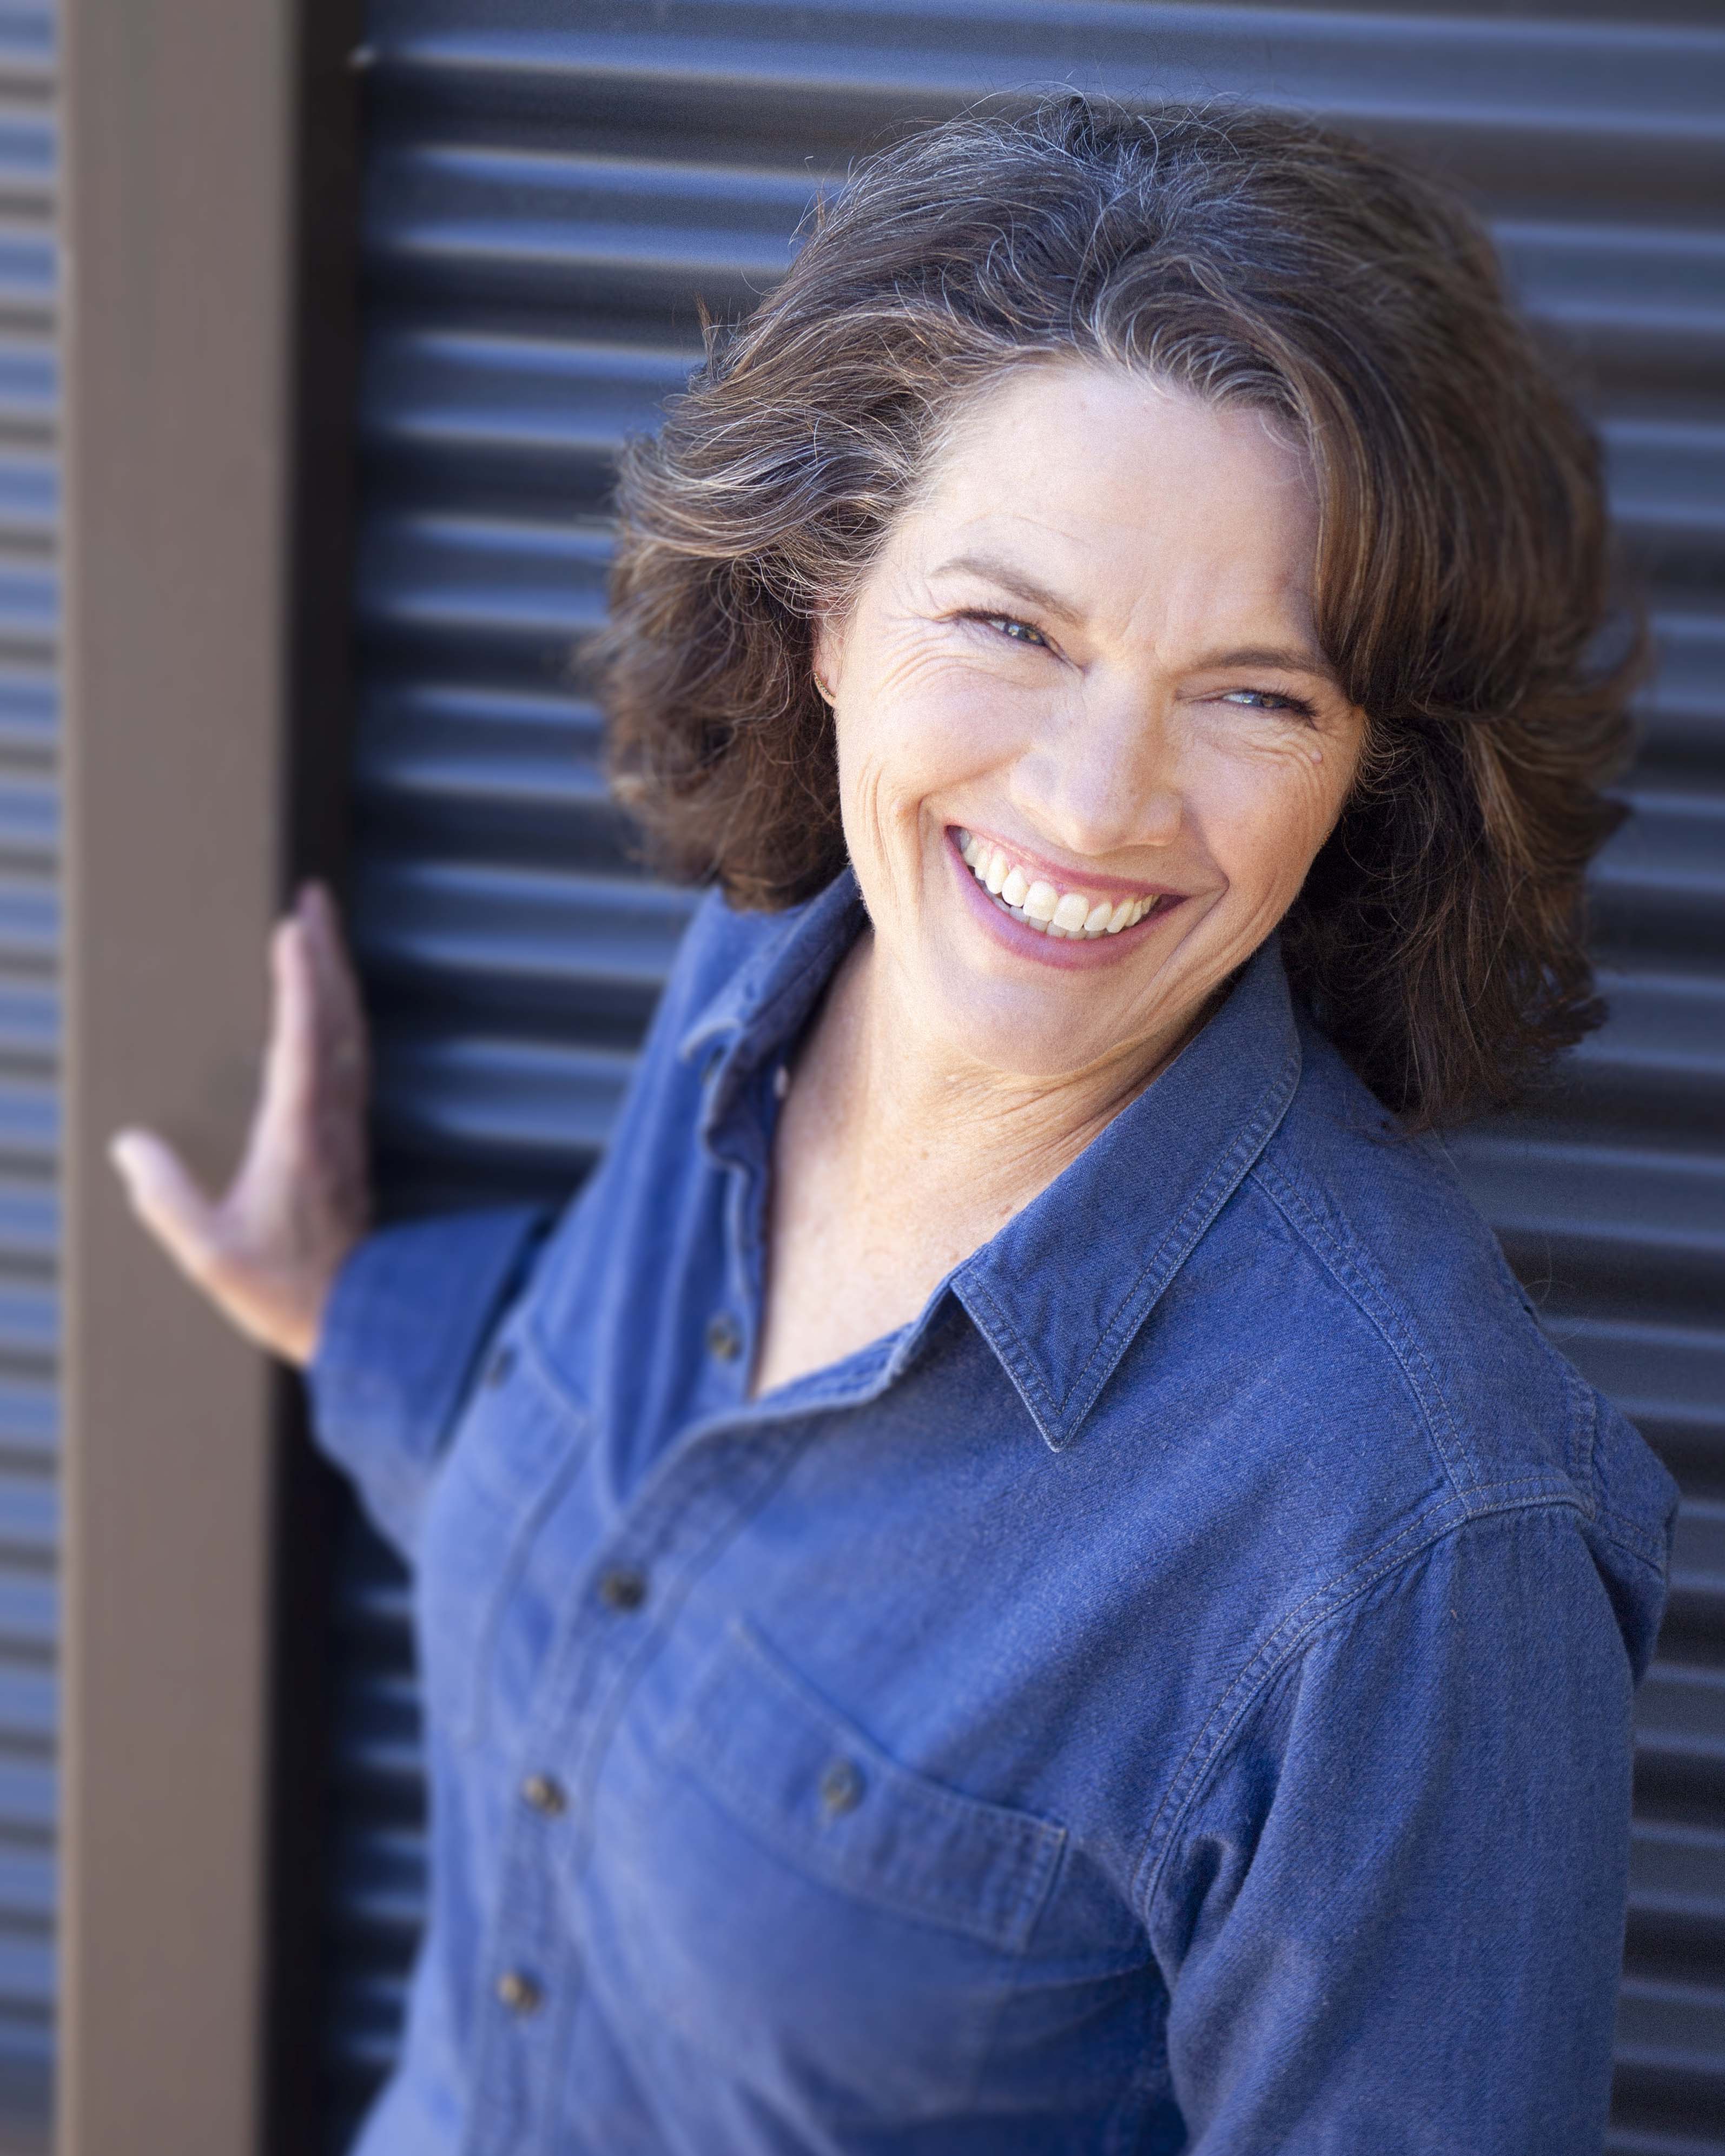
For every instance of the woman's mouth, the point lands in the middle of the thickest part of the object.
(1071, 915)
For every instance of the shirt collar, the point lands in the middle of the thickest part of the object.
(1061, 1292)
(763, 1005)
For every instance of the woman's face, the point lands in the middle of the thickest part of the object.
(1080, 682)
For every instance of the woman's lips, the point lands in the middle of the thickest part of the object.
(1011, 927)
(1061, 910)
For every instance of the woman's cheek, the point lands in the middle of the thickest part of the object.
(920, 729)
(1264, 819)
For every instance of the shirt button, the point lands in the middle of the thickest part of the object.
(498, 1370)
(781, 1081)
(623, 1588)
(841, 1787)
(519, 1992)
(544, 1794)
(724, 1336)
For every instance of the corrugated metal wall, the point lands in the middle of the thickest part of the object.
(549, 187)
(29, 931)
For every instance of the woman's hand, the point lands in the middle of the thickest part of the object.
(267, 1252)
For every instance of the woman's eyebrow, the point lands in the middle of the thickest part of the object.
(1288, 659)
(1012, 580)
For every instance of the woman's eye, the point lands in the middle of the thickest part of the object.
(1268, 700)
(1019, 631)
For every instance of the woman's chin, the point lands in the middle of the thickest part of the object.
(1043, 1023)
(1045, 1029)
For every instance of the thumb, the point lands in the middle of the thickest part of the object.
(167, 1198)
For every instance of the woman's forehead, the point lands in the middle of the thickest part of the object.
(1056, 408)
(1086, 491)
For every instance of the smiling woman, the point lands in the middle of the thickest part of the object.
(1015, 1574)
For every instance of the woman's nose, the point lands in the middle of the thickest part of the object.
(1103, 777)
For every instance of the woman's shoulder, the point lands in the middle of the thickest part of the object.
(1399, 1255)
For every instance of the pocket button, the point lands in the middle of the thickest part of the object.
(501, 1366)
(841, 1789)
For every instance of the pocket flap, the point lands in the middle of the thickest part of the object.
(825, 1798)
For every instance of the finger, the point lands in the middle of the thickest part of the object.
(291, 1054)
(167, 1198)
(343, 1062)
(340, 1012)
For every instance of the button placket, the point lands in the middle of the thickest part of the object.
(533, 1986)
(535, 1953)
(724, 1336)
(545, 1795)
(519, 1992)
(702, 1494)
(623, 1588)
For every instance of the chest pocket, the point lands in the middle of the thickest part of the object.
(827, 1924)
(511, 1456)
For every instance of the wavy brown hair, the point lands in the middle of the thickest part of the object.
(1254, 259)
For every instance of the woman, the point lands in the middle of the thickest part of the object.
(1016, 1574)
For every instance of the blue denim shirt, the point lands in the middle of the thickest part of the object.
(1174, 1695)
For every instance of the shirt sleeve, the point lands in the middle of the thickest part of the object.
(404, 1328)
(1394, 1918)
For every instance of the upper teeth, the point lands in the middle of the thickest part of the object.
(1027, 898)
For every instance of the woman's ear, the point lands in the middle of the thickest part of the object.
(825, 653)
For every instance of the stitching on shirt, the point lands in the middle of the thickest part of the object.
(1206, 1201)
(1010, 1348)
(1428, 1528)
(1623, 1534)
(1279, 1651)
(1583, 1401)
(602, 1697)
(547, 1370)
(1177, 1244)
(1030, 1848)
(1352, 1271)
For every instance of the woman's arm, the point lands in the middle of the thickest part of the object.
(267, 1252)
(1394, 1919)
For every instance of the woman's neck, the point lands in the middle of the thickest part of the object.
(929, 1132)
(896, 1156)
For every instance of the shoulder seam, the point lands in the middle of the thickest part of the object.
(1625, 1535)
(1370, 1296)
(1284, 1645)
